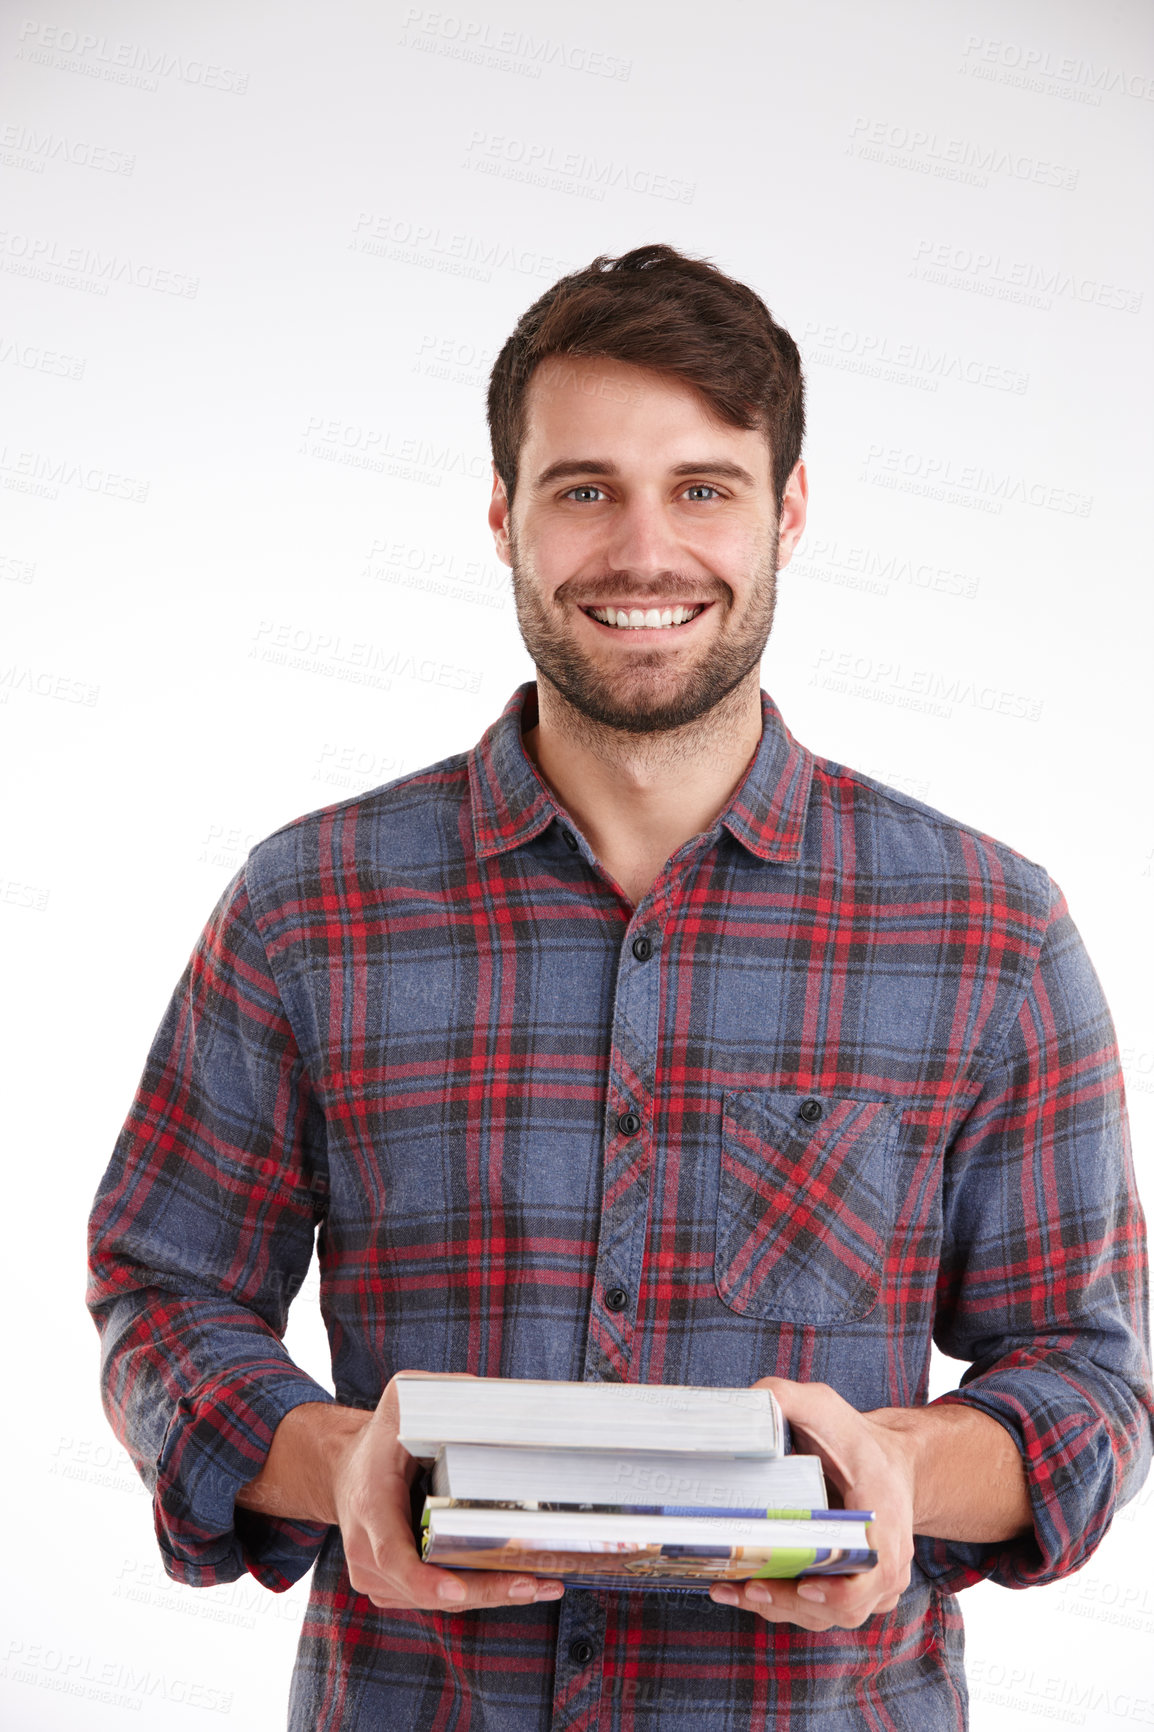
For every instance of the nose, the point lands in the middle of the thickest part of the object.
(642, 540)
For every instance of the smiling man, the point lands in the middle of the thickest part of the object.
(637, 1043)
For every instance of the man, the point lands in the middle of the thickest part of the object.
(637, 1043)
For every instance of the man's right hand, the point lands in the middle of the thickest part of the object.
(338, 1464)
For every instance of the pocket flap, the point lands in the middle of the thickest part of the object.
(805, 1205)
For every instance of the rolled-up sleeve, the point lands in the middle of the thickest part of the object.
(1043, 1281)
(200, 1236)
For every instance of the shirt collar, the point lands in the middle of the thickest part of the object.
(511, 803)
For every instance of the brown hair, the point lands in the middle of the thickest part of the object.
(658, 308)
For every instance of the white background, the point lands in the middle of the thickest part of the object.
(256, 261)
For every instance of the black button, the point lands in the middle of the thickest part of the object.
(616, 1298)
(581, 1652)
(628, 1124)
(643, 948)
(570, 841)
(810, 1111)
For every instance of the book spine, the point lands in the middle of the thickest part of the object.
(760, 1514)
(716, 1512)
(668, 1565)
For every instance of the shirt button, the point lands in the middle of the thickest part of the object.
(629, 1124)
(570, 840)
(643, 948)
(581, 1652)
(616, 1298)
(810, 1111)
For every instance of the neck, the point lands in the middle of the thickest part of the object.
(636, 798)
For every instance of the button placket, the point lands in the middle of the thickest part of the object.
(580, 1645)
(627, 1154)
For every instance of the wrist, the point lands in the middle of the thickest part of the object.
(906, 1441)
(301, 1474)
(968, 1480)
(333, 1438)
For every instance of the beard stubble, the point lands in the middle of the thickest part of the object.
(655, 694)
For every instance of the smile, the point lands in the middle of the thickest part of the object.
(644, 619)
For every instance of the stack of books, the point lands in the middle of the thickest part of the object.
(621, 1484)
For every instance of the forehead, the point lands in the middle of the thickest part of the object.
(582, 406)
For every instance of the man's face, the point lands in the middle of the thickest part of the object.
(635, 506)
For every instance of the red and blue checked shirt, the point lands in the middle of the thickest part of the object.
(540, 1132)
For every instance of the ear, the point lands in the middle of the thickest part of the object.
(499, 510)
(791, 520)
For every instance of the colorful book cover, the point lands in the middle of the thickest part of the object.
(623, 1563)
(581, 1551)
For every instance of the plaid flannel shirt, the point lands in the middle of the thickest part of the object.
(545, 1133)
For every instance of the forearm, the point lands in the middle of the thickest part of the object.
(968, 1479)
(297, 1479)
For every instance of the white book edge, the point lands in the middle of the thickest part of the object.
(645, 1411)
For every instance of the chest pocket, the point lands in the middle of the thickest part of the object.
(805, 1204)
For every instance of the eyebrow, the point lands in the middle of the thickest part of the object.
(567, 467)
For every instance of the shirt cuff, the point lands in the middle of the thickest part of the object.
(1071, 1478)
(216, 1442)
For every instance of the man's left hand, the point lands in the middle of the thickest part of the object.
(872, 1467)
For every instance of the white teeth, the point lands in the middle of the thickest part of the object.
(644, 619)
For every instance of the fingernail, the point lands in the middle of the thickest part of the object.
(524, 1589)
(724, 1594)
(451, 1591)
(808, 1591)
(550, 1590)
(759, 1592)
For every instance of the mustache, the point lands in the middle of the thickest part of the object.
(598, 591)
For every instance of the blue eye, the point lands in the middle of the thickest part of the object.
(700, 487)
(585, 492)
